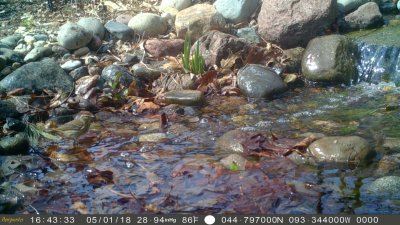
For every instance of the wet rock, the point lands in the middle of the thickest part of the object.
(81, 51)
(294, 56)
(38, 53)
(119, 30)
(148, 25)
(388, 164)
(79, 72)
(73, 36)
(387, 6)
(11, 40)
(94, 25)
(366, 16)
(329, 59)
(84, 84)
(145, 72)
(71, 65)
(164, 47)
(109, 74)
(153, 137)
(14, 145)
(198, 19)
(234, 161)
(342, 150)
(46, 74)
(236, 11)
(294, 23)
(124, 19)
(11, 199)
(249, 34)
(11, 56)
(230, 142)
(257, 81)
(184, 97)
(384, 186)
(8, 109)
(177, 4)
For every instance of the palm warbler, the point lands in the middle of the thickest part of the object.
(77, 127)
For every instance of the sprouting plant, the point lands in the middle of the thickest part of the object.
(117, 90)
(192, 62)
(233, 167)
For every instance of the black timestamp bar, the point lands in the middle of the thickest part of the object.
(186, 219)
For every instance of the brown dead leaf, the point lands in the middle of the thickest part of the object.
(80, 207)
(208, 78)
(99, 178)
(173, 64)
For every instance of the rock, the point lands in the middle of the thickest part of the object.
(130, 58)
(216, 46)
(388, 185)
(109, 74)
(59, 51)
(249, 34)
(38, 53)
(3, 62)
(71, 64)
(14, 145)
(198, 19)
(11, 56)
(230, 142)
(41, 37)
(72, 36)
(387, 6)
(388, 164)
(346, 6)
(124, 19)
(81, 51)
(94, 25)
(148, 25)
(177, 4)
(184, 97)
(294, 56)
(11, 199)
(11, 40)
(366, 16)
(164, 47)
(95, 43)
(153, 137)
(119, 30)
(8, 109)
(40, 44)
(4, 72)
(257, 81)
(341, 150)
(23, 48)
(46, 74)
(294, 23)
(145, 72)
(329, 59)
(398, 5)
(234, 161)
(236, 11)
(79, 72)
(84, 84)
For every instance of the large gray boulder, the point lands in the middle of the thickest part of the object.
(46, 74)
(148, 25)
(329, 59)
(94, 25)
(292, 23)
(73, 36)
(342, 150)
(236, 10)
(257, 81)
(366, 16)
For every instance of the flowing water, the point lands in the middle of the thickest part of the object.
(114, 172)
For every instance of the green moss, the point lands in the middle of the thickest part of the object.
(388, 36)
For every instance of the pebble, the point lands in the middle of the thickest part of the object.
(81, 51)
(71, 65)
(153, 137)
(185, 97)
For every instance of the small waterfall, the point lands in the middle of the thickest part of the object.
(378, 63)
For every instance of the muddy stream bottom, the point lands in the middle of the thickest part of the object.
(125, 164)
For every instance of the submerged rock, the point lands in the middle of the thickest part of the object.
(230, 142)
(351, 150)
(330, 59)
(389, 185)
(257, 81)
(14, 145)
(184, 97)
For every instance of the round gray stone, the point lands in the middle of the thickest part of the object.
(119, 30)
(38, 53)
(148, 25)
(73, 36)
(94, 25)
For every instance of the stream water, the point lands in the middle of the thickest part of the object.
(114, 172)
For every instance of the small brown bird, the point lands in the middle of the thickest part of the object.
(77, 127)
